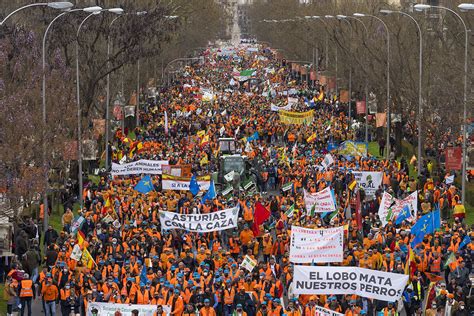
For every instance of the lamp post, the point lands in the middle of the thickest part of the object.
(420, 78)
(58, 5)
(43, 94)
(343, 18)
(388, 75)
(107, 109)
(366, 92)
(463, 6)
(79, 112)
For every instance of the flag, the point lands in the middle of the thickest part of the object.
(210, 194)
(254, 136)
(107, 202)
(321, 95)
(166, 123)
(352, 185)
(427, 224)
(410, 261)
(261, 214)
(433, 277)
(465, 241)
(449, 179)
(311, 138)
(143, 277)
(194, 185)
(205, 140)
(289, 213)
(333, 216)
(80, 238)
(404, 214)
(145, 185)
(451, 259)
(87, 259)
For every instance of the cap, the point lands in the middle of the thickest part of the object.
(207, 300)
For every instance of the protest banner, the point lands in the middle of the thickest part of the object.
(368, 180)
(275, 108)
(201, 223)
(248, 263)
(453, 158)
(110, 309)
(380, 119)
(319, 202)
(316, 245)
(391, 207)
(292, 101)
(386, 205)
(360, 106)
(169, 182)
(288, 117)
(374, 284)
(138, 167)
(321, 311)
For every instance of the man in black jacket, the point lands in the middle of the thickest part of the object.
(50, 236)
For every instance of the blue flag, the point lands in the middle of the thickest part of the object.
(211, 193)
(255, 136)
(143, 278)
(404, 214)
(427, 224)
(145, 185)
(194, 185)
(465, 241)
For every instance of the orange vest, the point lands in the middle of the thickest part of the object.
(26, 288)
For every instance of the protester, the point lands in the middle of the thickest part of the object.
(121, 254)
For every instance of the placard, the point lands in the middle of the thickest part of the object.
(201, 223)
(316, 245)
(368, 180)
(141, 166)
(374, 284)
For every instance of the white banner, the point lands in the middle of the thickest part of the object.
(386, 203)
(138, 167)
(391, 207)
(292, 101)
(275, 108)
(375, 284)
(169, 182)
(316, 245)
(201, 223)
(109, 309)
(370, 181)
(321, 311)
(322, 201)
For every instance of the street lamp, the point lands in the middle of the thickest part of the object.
(341, 17)
(43, 92)
(107, 109)
(79, 114)
(57, 5)
(420, 77)
(463, 6)
(366, 92)
(388, 75)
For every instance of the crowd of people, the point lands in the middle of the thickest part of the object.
(187, 273)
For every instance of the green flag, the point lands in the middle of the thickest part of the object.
(450, 260)
(289, 213)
